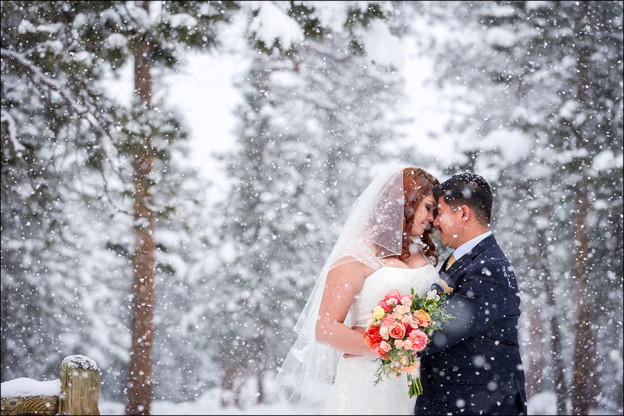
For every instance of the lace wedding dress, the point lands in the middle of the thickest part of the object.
(354, 391)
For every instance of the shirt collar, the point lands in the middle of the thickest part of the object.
(469, 245)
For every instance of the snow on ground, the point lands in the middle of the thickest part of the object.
(209, 403)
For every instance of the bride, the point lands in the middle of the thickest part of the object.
(384, 245)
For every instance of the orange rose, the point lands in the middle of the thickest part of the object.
(397, 330)
(372, 338)
(422, 318)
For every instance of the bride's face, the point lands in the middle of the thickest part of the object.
(423, 216)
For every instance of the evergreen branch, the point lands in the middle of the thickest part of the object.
(18, 147)
(41, 80)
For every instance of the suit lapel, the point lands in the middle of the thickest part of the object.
(452, 275)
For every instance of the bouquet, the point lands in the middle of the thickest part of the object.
(399, 327)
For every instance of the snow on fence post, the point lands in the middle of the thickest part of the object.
(76, 393)
(25, 396)
(80, 386)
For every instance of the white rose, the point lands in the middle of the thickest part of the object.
(383, 331)
(433, 294)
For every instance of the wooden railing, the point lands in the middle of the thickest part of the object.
(78, 394)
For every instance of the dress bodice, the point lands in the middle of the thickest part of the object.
(386, 279)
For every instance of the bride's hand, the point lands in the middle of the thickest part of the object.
(359, 329)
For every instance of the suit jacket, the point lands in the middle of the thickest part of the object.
(472, 365)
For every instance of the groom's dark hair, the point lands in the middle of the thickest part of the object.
(467, 189)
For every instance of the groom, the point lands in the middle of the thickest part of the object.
(473, 365)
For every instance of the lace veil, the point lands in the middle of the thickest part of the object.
(373, 230)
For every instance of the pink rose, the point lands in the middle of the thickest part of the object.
(406, 300)
(419, 339)
(402, 309)
(387, 321)
(408, 344)
(387, 306)
(409, 321)
(393, 297)
(394, 294)
(383, 349)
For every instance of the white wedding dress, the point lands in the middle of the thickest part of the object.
(354, 391)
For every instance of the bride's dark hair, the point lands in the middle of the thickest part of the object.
(417, 184)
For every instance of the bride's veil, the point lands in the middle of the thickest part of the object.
(373, 230)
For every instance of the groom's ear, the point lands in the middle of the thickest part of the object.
(465, 212)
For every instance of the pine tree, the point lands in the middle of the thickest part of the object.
(62, 50)
(54, 131)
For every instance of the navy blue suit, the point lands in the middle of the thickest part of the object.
(473, 365)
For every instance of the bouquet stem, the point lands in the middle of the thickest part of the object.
(415, 386)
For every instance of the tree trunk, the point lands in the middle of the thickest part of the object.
(261, 367)
(561, 390)
(140, 368)
(542, 267)
(227, 386)
(584, 348)
(234, 377)
(536, 354)
(583, 386)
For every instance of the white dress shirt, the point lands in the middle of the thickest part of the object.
(469, 245)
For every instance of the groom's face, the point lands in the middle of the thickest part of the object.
(449, 222)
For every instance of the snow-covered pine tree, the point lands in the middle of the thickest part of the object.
(55, 129)
(56, 122)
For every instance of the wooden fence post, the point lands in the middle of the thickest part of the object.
(30, 405)
(80, 386)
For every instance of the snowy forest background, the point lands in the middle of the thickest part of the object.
(178, 257)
